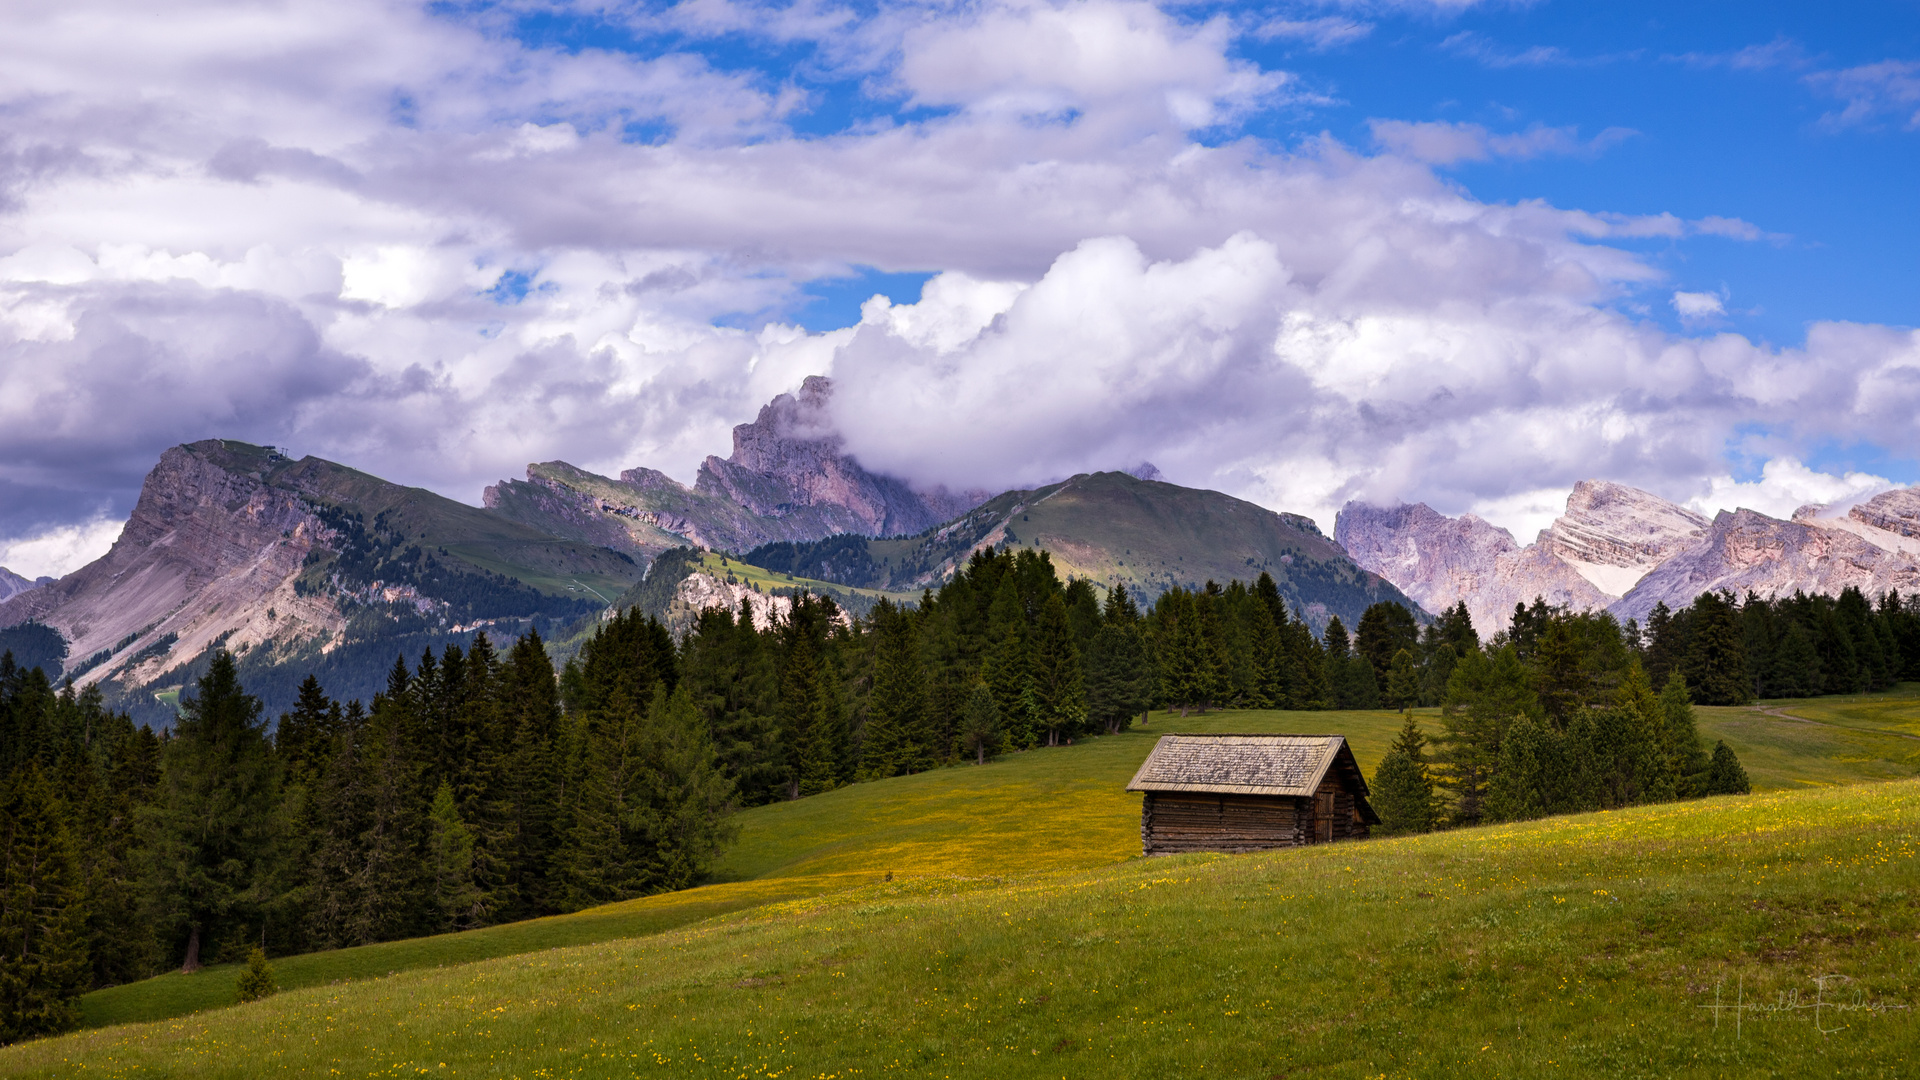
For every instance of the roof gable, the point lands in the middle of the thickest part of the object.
(1242, 764)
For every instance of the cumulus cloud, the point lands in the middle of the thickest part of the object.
(1785, 485)
(61, 550)
(393, 235)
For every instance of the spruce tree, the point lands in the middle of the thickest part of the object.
(1059, 691)
(1686, 760)
(1120, 674)
(1795, 670)
(43, 916)
(1531, 780)
(1716, 662)
(894, 740)
(1385, 629)
(1403, 682)
(212, 834)
(1402, 790)
(1486, 695)
(980, 734)
(682, 822)
(449, 865)
(1725, 776)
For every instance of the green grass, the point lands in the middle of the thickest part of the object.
(1023, 869)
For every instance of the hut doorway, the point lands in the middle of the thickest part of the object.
(1323, 816)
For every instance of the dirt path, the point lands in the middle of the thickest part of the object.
(1785, 715)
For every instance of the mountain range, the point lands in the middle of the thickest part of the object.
(1625, 550)
(306, 565)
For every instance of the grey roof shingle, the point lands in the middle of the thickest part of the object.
(1238, 764)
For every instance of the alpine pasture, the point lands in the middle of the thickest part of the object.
(996, 921)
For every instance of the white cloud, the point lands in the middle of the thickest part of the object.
(1785, 485)
(1443, 143)
(1698, 305)
(1872, 91)
(282, 226)
(61, 550)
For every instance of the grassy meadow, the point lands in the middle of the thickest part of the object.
(995, 921)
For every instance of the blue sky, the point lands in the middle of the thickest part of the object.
(1461, 253)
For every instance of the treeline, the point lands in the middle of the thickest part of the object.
(468, 794)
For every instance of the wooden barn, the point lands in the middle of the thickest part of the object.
(1250, 793)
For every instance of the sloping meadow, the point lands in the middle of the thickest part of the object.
(1774, 934)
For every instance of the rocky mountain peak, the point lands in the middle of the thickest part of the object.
(792, 457)
(12, 584)
(1614, 534)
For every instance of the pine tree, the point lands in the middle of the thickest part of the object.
(43, 917)
(1059, 691)
(1725, 776)
(257, 980)
(1403, 785)
(895, 737)
(1716, 663)
(980, 733)
(212, 828)
(1686, 760)
(1403, 682)
(1486, 695)
(456, 901)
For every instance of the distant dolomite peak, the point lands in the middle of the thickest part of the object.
(1625, 550)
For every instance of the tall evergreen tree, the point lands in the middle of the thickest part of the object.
(1059, 690)
(1486, 695)
(980, 734)
(1715, 664)
(43, 917)
(895, 739)
(1385, 629)
(1686, 760)
(212, 836)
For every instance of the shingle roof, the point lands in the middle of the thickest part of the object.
(1242, 764)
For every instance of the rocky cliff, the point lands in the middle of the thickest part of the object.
(1626, 550)
(210, 550)
(788, 478)
(1440, 561)
(1747, 551)
(12, 584)
(237, 545)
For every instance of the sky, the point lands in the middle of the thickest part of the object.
(1430, 250)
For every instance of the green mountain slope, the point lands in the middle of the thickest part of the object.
(991, 921)
(1114, 529)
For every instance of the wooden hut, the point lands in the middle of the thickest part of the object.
(1250, 793)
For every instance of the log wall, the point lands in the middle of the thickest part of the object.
(1175, 822)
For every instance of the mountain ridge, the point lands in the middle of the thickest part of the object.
(1625, 550)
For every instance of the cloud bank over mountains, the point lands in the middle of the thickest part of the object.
(427, 241)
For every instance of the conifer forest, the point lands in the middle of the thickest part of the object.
(485, 786)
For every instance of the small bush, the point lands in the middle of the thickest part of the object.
(257, 981)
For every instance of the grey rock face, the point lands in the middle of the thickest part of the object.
(209, 549)
(1747, 551)
(787, 479)
(791, 459)
(1439, 561)
(12, 584)
(1614, 525)
(1895, 511)
(1625, 550)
